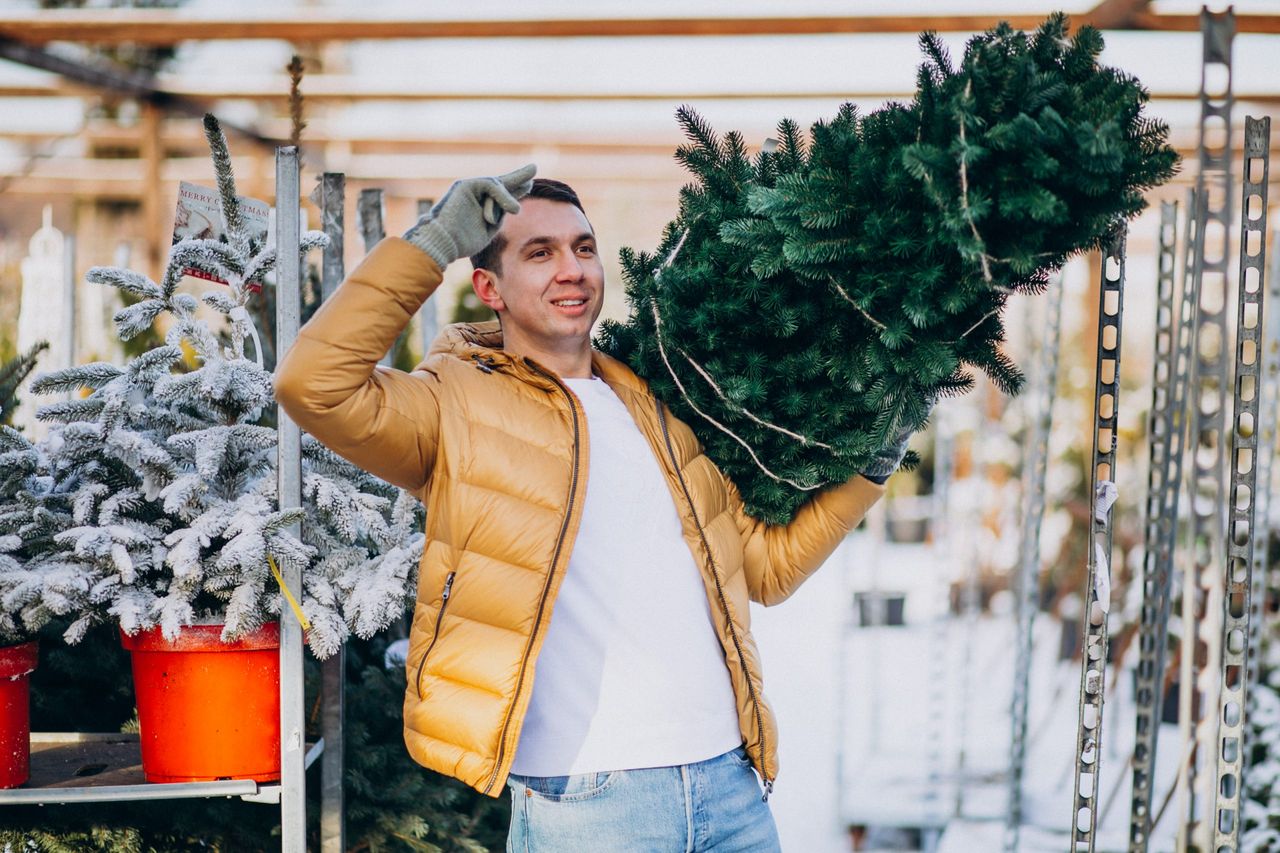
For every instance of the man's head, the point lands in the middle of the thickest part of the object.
(542, 275)
(490, 257)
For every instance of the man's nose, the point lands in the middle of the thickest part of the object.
(569, 268)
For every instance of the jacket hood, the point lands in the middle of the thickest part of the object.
(483, 341)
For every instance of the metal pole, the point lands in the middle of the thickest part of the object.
(293, 780)
(69, 282)
(1166, 433)
(333, 196)
(370, 210)
(428, 316)
(332, 671)
(1097, 592)
(1202, 605)
(938, 645)
(1238, 568)
(1039, 420)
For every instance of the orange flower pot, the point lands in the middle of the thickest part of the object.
(16, 664)
(207, 709)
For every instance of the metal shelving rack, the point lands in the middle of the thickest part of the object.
(84, 768)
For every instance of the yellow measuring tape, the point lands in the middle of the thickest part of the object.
(288, 596)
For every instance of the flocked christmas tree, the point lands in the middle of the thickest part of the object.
(809, 302)
(153, 502)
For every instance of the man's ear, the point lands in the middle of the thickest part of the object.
(485, 284)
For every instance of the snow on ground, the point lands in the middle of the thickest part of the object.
(873, 720)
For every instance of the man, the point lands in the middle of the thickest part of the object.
(582, 632)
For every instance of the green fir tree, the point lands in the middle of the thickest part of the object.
(811, 301)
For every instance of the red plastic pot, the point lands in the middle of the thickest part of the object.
(207, 709)
(16, 664)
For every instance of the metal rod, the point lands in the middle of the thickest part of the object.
(1202, 607)
(1238, 567)
(1039, 406)
(1097, 592)
(293, 780)
(938, 640)
(370, 212)
(1166, 436)
(428, 316)
(333, 670)
(333, 196)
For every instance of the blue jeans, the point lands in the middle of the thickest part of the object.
(712, 805)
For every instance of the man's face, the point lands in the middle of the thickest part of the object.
(551, 287)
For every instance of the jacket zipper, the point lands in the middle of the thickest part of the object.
(715, 573)
(444, 602)
(546, 588)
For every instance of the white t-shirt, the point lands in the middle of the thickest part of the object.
(631, 673)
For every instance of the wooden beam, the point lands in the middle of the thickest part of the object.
(342, 88)
(1263, 24)
(1114, 14)
(160, 27)
(152, 189)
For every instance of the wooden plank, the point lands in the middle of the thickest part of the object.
(342, 89)
(1114, 14)
(158, 27)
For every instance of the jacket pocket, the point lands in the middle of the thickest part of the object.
(435, 635)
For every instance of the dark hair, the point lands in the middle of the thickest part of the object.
(490, 257)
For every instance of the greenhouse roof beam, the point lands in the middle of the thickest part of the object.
(121, 81)
(157, 27)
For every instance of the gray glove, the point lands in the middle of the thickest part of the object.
(889, 457)
(465, 220)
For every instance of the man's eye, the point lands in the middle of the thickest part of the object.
(590, 250)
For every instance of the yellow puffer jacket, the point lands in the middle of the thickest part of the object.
(496, 447)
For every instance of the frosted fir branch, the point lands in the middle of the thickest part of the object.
(180, 496)
(133, 320)
(11, 439)
(124, 501)
(126, 280)
(93, 375)
(154, 363)
(67, 411)
(218, 300)
(228, 203)
(381, 589)
(198, 335)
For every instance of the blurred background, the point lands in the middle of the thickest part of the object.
(892, 669)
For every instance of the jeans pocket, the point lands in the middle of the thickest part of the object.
(738, 755)
(567, 789)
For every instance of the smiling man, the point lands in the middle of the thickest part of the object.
(582, 631)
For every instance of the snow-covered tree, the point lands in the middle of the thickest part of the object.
(153, 500)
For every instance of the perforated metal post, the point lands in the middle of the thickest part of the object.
(938, 645)
(1097, 592)
(1039, 406)
(332, 203)
(333, 670)
(1166, 434)
(293, 780)
(1240, 539)
(1202, 596)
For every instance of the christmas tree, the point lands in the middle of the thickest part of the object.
(12, 374)
(810, 302)
(153, 500)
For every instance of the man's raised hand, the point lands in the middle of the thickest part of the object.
(470, 213)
